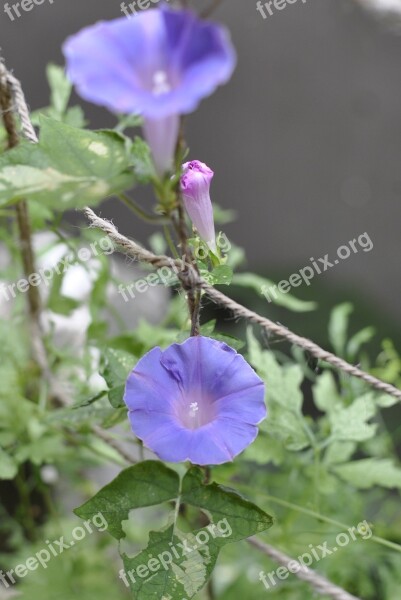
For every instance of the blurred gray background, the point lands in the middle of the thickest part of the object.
(305, 140)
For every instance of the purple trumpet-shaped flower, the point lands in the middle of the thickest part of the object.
(198, 401)
(195, 189)
(159, 64)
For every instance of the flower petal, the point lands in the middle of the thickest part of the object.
(149, 387)
(198, 362)
(118, 64)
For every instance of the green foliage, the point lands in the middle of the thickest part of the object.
(325, 458)
(151, 483)
(145, 484)
(60, 93)
(261, 284)
(118, 366)
(68, 168)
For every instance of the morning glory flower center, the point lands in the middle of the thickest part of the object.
(196, 412)
(160, 83)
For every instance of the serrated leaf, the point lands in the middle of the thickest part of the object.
(60, 88)
(338, 326)
(182, 562)
(8, 466)
(221, 275)
(351, 423)
(265, 449)
(219, 502)
(368, 472)
(118, 366)
(141, 158)
(284, 425)
(260, 285)
(47, 449)
(386, 401)
(146, 484)
(359, 339)
(325, 392)
(339, 452)
(284, 397)
(68, 168)
(282, 383)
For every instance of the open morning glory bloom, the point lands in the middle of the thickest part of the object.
(198, 401)
(159, 64)
(195, 189)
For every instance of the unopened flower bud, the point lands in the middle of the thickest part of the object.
(195, 189)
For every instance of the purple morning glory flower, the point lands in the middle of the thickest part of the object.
(198, 401)
(195, 189)
(159, 64)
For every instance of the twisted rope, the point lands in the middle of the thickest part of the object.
(184, 271)
(191, 278)
(317, 581)
(14, 103)
(20, 106)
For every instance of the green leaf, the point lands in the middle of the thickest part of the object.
(325, 392)
(359, 339)
(221, 275)
(119, 364)
(368, 472)
(338, 326)
(351, 423)
(261, 286)
(282, 383)
(386, 401)
(174, 564)
(285, 425)
(339, 452)
(68, 168)
(284, 397)
(46, 449)
(245, 518)
(265, 449)
(60, 88)
(181, 563)
(142, 160)
(208, 330)
(146, 484)
(8, 466)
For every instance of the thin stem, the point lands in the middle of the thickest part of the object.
(315, 515)
(140, 212)
(22, 212)
(170, 242)
(178, 221)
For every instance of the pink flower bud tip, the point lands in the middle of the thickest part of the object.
(195, 189)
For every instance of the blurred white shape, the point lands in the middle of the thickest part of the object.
(386, 8)
(49, 474)
(69, 332)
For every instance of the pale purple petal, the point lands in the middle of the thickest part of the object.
(198, 401)
(119, 63)
(161, 135)
(149, 387)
